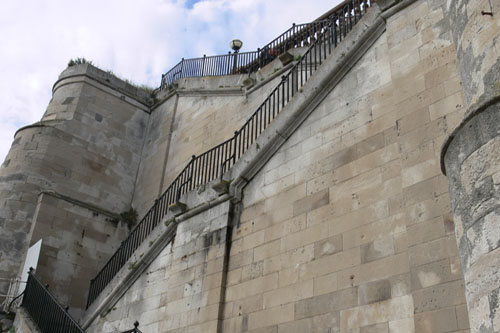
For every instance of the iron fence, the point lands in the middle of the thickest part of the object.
(216, 161)
(46, 312)
(245, 62)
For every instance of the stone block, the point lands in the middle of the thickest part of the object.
(252, 287)
(325, 284)
(288, 294)
(373, 271)
(329, 264)
(443, 320)
(374, 292)
(328, 246)
(311, 202)
(433, 274)
(439, 296)
(177, 208)
(389, 310)
(435, 250)
(272, 316)
(426, 231)
(304, 237)
(379, 248)
(402, 325)
(327, 303)
(267, 250)
(220, 186)
(252, 271)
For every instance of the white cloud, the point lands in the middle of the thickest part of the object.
(137, 40)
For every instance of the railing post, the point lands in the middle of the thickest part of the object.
(193, 158)
(236, 134)
(203, 65)
(182, 68)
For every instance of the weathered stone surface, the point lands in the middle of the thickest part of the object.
(346, 226)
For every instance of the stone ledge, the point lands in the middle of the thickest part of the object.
(107, 79)
(468, 120)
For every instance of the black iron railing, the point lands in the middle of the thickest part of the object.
(135, 329)
(46, 312)
(244, 62)
(216, 161)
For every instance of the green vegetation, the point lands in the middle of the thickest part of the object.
(79, 61)
(129, 217)
(132, 265)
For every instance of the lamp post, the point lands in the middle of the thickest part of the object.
(236, 45)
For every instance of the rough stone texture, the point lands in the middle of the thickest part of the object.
(346, 228)
(476, 36)
(472, 168)
(76, 242)
(470, 157)
(377, 254)
(86, 147)
(181, 290)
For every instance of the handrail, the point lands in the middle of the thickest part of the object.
(245, 62)
(213, 163)
(45, 310)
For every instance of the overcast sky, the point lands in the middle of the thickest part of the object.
(136, 39)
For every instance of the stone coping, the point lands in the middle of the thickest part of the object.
(106, 79)
(469, 116)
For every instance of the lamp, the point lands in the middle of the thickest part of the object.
(236, 44)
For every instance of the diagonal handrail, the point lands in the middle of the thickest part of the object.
(214, 162)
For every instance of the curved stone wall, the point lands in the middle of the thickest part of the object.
(86, 147)
(470, 158)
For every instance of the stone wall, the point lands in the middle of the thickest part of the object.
(86, 147)
(345, 227)
(77, 240)
(348, 227)
(470, 158)
(197, 115)
(180, 291)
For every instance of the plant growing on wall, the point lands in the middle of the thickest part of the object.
(129, 217)
(79, 61)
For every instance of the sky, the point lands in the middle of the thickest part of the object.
(136, 40)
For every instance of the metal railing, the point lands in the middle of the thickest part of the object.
(216, 161)
(298, 35)
(135, 329)
(46, 312)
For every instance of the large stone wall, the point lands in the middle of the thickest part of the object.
(348, 227)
